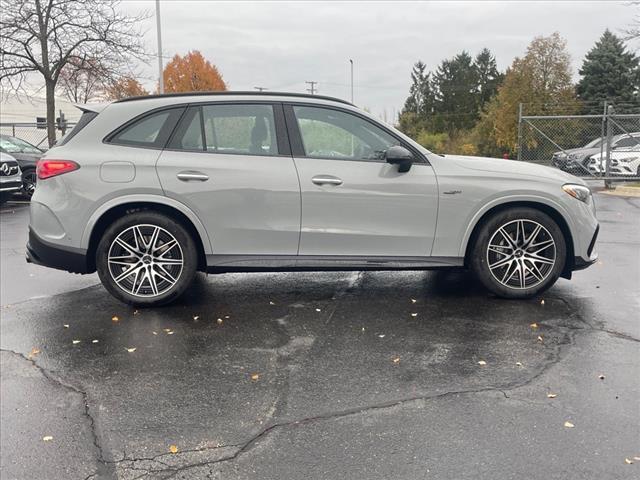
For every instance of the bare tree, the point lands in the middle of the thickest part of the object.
(45, 36)
(82, 80)
(632, 32)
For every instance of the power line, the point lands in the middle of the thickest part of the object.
(313, 88)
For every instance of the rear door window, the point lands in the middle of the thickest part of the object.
(229, 129)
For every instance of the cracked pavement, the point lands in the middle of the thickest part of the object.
(349, 382)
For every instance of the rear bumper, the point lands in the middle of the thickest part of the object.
(42, 253)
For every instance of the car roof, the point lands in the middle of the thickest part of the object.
(266, 95)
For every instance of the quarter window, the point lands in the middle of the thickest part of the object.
(150, 131)
(328, 133)
(228, 129)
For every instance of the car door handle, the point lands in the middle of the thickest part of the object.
(188, 176)
(326, 180)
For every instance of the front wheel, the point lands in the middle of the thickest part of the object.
(29, 179)
(146, 259)
(518, 253)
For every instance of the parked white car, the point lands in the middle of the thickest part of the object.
(624, 162)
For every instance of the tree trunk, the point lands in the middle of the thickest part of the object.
(51, 111)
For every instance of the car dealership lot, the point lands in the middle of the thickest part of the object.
(324, 375)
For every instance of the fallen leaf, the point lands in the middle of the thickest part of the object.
(173, 449)
(166, 329)
(271, 303)
(34, 351)
(627, 461)
(413, 300)
(131, 350)
(47, 438)
(414, 314)
(363, 329)
(601, 377)
(66, 325)
(318, 310)
(519, 364)
(227, 316)
(170, 332)
(219, 321)
(196, 317)
(381, 336)
(75, 341)
(255, 376)
(534, 325)
(551, 395)
(115, 319)
(569, 424)
(542, 302)
(94, 341)
(482, 362)
(540, 338)
(155, 333)
(396, 360)
(637, 459)
(135, 312)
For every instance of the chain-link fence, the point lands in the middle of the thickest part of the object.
(603, 146)
(34, 133)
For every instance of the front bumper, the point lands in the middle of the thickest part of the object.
(40, 252)
(581, 263)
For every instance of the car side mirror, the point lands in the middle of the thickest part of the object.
(400, 156)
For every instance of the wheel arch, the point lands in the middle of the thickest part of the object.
(553, 212)
(105, 216)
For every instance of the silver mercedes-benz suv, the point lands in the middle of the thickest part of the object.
(149, 190)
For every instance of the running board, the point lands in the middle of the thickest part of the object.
(283, 263)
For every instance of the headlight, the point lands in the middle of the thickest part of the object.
(573, 156)
(580, 192)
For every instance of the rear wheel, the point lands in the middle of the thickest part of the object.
(518, 253)
(146, 259)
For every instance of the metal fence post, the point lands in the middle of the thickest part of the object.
(520, 131)
(607, 170)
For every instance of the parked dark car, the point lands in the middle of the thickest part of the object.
(27, 155)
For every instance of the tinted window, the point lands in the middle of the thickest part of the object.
(628, 142)
(328, 133)
(84, 120)
(230, 129)
(149, 131)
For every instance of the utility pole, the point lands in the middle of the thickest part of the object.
(158, 27)
(260, 89)
(313, 88)
(351, 62)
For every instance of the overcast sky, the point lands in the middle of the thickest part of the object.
(279, 45)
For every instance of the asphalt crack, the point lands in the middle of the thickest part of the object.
(85, 400)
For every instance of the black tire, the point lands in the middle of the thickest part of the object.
(163, 275)
(529, 275)
(28, 182)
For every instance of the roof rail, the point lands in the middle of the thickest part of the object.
(252, 93)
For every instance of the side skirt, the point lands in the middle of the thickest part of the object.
(319, 263)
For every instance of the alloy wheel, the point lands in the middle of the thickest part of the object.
(145, 260)
(29, 183)
(521, 254)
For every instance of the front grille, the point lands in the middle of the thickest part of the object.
(8, 168)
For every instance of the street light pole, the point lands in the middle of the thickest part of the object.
(159, 28)
(351, 62)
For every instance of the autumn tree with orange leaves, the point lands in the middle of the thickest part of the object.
(124, 87)
(192, 73)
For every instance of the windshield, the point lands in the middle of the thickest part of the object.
(15, 145)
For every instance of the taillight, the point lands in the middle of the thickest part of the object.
(51, 168)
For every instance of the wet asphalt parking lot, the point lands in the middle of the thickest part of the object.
(418, 375)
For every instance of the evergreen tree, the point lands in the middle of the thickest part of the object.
(456, 87)
(488, 76)
(609, 72)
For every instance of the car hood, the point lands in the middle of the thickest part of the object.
(513, 168)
